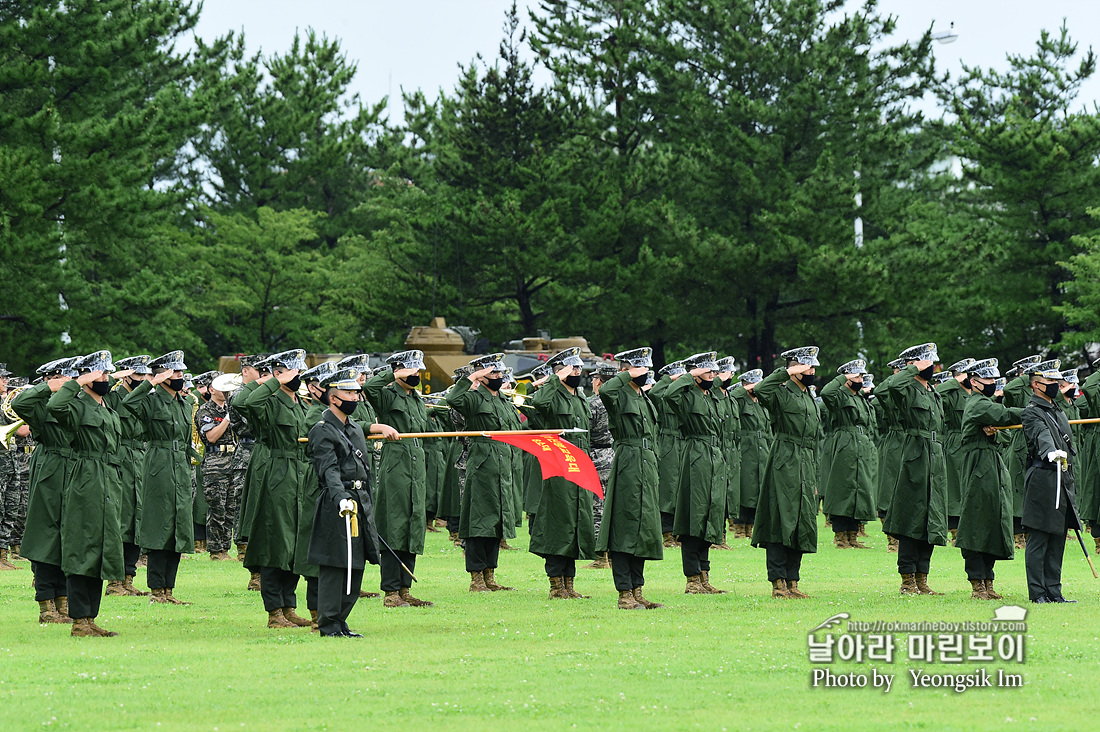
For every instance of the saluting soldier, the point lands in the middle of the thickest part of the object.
(251, 453)
(131, 451)
(730, 417)
(338, 450)
(891, 438)
(562, 530)
(669, 449)
(454, 479)
(532, 472)
(400, 498)
(917, 515)
(1017, 393)
(631, 528)
(91, 533)
(24, 447)
(276, 413)
(849, 462)
(166, 526)
(602, 449)
(786, 514)
(985, 522)
(955, 391)
(220, 442)
(435, 457)
(754, 443)
(49, 472)
(1088, 456)
(9, 485)
(1050, 503)
(700, 516)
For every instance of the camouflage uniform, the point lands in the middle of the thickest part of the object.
(246, 441)
(24, 446)
(220, 488)
(9, 494)
(602, 452)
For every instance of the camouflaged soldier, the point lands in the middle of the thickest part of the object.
(24, 446)
(602, 448)
(222, 493)
(9, 487)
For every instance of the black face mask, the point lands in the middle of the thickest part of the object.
(705, 385)
(347, 407)
(966, 383)
(926, 373)
(641, 380)
(494, 384)
(131, 383)
(726, 383)
(1051, 390)
(999, 399)
(174, 384)
(808, 380)
(987, 390)
(573, 380)
(294, 383)
(102, 388)
(412, 380)
(855, 386)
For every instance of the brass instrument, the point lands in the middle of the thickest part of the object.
(7, 432)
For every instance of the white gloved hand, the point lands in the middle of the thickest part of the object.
(347, 505)
(1057, 456)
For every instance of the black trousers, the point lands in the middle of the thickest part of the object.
(627, 570)
(311, 593)
(1094, 528)
(559, 566)
(277, 587)
(84, 595)
(953, 522)
(200, 532)
(452, 524)
(784, 563)
(49, 581)
(844, 523)
(1043, 564)
(1018, 525)
(695, 555)
(978, 565)
(914, 556)
(161, 568)
(748, 515)
(666, 522)
(334, 604)
(394, 577)
(131, 553)
(482, 553)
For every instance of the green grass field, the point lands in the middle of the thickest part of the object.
(512, 660)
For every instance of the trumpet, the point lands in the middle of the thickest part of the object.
(7, 432)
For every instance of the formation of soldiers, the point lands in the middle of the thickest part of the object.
(134, 461)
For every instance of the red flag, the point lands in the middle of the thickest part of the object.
(559, 459)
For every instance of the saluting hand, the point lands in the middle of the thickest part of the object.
(56, 383)
(798, 368)
(87, 378)
(287, 376)
(120, 375)
(479, 374)
(636, 371)
(160, 378)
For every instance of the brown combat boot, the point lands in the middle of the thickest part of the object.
(116, 588)
(15, 555)
(637, 592)
(241, 549)
(602, 562)
(840, 540)
(4, 563)
(1096, 540)
(172, 599)
(978, 590)
(891, 545)
(1019, 541)
(393, 599)
(793, 591)
(294, 618)
(82, 628)
(695, 585)
(222, 556)
(572, 592)
(431, 527)
(313, 627)
(490, 580)
(724, 546)
(143, 561)
(254, 582)
(454, 538)
(62, 605)
(275, 619)
(627, 601)
(779, 588)
(505, 546)
(748, 531)
(415, 602)
(557, 589)
(159, 596)
(862, 530)
(198, 547)
(854, 542)
(364, 593)
(909, 584)
(739, 531)
(670, 541)
(709, 587)
(993, 595)
(954, 533)
(47, 613)
(131, 590)
(922, 585)
(101, 632)
(477, 582)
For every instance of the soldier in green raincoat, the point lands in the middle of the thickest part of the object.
(166, 527)
(274, 410)
(786, 514)
(532, 471)
(1017, 393)
(252, 453)
(669, 449)
(890, 440)
(602, 449)
(399, 501)
(985, 524)
(730, 417)
(49, 470)
(917, 515)
(954, 391)
(131, 453)
(849, 461)
(91, 534)
(454, 478)
(700, 517)
(1088, 460)
(631, 528)
(755, 444)
(562, 530)
(488, 498)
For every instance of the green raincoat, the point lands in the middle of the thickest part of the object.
(985, 524)
(849, 461)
